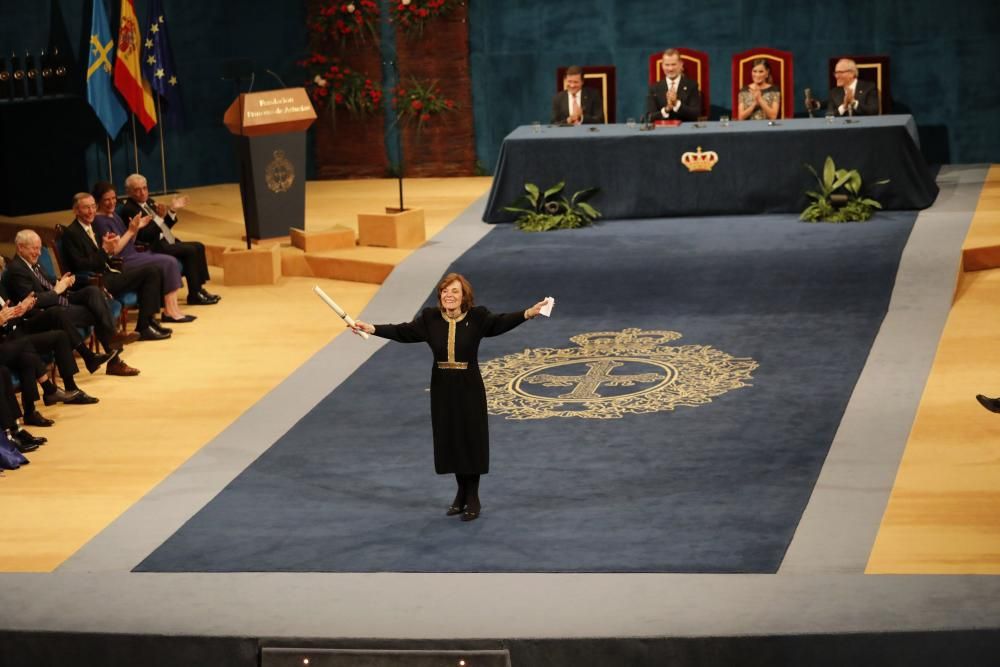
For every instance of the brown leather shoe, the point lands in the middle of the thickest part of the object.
(124, 339)
(117, 366)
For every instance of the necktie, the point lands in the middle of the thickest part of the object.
(673, 86)
(47, 284)
(574, 109)
(165, 232)
(90, 233)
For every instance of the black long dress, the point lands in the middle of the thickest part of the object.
(458, 397)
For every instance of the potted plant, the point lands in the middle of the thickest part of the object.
(540, 211)
(839, 197)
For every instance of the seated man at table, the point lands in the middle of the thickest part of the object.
(575, 104)
(851, 96)
(676, 97)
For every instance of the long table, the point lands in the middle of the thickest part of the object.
(760, 168)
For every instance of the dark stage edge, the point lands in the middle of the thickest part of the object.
(819, 609)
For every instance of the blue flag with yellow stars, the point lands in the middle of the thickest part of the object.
(158, 65)
(100, 88)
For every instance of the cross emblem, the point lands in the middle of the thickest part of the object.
(585, 386)
(101, 51)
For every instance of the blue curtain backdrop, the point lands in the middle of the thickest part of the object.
(943, 57)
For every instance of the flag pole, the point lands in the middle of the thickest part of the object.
(107, 139)
(135, 144)
(163, 149)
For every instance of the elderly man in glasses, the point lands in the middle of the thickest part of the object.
(851, 96)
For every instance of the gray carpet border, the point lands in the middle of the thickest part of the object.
(818, 589)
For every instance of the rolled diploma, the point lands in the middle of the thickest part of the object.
(337, 309)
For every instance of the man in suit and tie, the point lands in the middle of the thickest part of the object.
(59, 304)
(159, 236)
(676, 97)
(84, 253)
(576, 105)
(852, 96)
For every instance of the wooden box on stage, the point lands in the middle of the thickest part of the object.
(393, 229)
(260, 265)
(270, 129)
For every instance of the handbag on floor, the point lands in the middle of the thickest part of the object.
(10, 458)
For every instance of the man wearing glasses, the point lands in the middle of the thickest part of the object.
(852, 96)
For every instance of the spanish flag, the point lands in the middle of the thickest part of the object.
(128, 75)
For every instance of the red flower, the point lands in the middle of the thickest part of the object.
(450, 104)
(416, 105)
(338, 98)
(424, 118)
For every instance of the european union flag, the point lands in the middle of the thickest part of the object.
(100, 89)
(158, 64)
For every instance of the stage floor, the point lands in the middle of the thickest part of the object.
(821, 588)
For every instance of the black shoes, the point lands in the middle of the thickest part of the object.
(203, 298)
(25, 442)
(53, 397)
(991, 404)
(177, 320)
(35, 418)
(159, 327)
(95, 361)
(454, 509)
(80, 397)
(150, 333)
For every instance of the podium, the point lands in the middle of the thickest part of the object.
(271, 143)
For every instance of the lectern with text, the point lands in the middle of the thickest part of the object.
(270, 129)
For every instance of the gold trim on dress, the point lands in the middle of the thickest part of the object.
(452, 327)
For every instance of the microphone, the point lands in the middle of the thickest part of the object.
(276, 77)
(809, 101)
(253, 77)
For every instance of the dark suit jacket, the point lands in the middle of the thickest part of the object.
(687, 93)
(150, 234)
(590, 103)
(80, 254)
(20, 281)
(865, 93)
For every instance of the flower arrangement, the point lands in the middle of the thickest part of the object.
(344, 20)
(411, 15)
(420, 101)
(335, 85)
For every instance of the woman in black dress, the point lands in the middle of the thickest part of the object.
(453, 331)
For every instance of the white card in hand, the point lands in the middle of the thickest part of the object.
(547, 308)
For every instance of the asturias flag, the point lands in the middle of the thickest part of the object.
(158, 63)
(100, 91)
(128, 75)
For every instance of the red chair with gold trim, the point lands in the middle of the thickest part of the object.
(874, 69)
(782, 72)
(695, 67)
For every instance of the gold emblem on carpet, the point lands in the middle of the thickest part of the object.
(611, 374)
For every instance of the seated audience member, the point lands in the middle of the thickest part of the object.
(760, 99)
(60, 307)
(676, 97)
(108, 222)
(851, 96)
(10, 412)
(160, 238)
(54, 342)
(576, 105)
(83, 253)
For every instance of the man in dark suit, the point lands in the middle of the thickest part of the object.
(576, 105)
(852, 96)
(159, 236)
(83, 253)
(59, 304)
(676, 97)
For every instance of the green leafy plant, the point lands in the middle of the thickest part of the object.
(839, 197)
(540, 211)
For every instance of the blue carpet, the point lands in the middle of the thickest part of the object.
(716, 487)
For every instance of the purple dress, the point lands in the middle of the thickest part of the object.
(169, 267)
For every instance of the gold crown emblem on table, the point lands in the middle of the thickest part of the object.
(700, 161)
